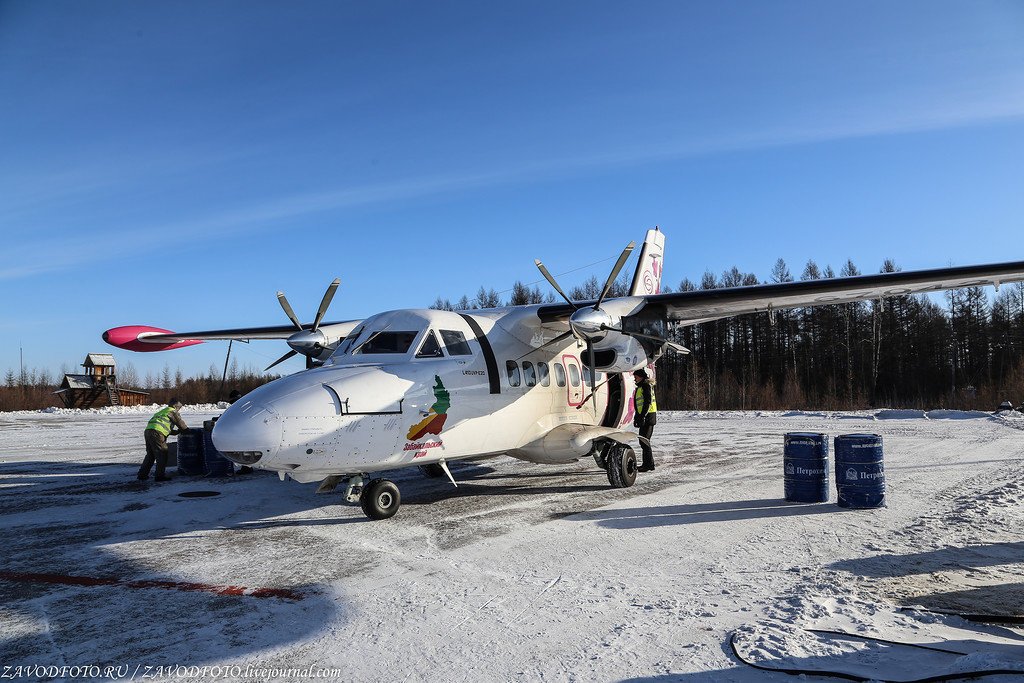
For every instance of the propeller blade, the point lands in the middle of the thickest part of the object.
(551, 281)
(678, 348)
(615, 272)
(590, 362)
(592, 393)
(593, 377)
(288, 311)
(557, 339)
(325, 302)
(281, 359)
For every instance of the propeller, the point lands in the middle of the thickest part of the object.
(310, 342)
(588, 323)
(678, 348)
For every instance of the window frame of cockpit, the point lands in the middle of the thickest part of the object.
(416, 334)
(429, 335)
(464, 348)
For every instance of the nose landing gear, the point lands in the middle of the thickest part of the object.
(379, 498)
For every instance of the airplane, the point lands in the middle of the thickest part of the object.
(546, 383)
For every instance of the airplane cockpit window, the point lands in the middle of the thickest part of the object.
(528, 374)
(512, 368)
(346, 344)
(430, 348)
(456, 343)
(542, 370)
(387, 342)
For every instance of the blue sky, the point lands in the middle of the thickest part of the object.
(175, 164)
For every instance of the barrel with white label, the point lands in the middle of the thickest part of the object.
(805, 462)
(860, 473)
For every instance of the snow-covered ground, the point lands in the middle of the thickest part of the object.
(523, 572)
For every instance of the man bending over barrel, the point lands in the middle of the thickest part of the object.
(164, 423)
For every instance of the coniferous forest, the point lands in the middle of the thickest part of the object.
(960, 350)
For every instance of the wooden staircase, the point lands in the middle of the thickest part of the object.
(113, 395)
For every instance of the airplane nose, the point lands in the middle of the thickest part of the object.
(248, 432)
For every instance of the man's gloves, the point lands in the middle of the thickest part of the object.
(638, 421)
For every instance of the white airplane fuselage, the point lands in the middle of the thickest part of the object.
(364, 411)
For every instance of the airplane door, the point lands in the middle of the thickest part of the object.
(574, 380)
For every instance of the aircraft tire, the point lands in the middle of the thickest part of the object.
(432, 471)
(621, 466)
(601, 455)
(380, 499)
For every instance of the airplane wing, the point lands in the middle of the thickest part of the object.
(239, 334)
(145, 338)
(691, 308)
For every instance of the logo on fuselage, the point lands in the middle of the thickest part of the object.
(433, 423)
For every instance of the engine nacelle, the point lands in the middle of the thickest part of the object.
(619, 353)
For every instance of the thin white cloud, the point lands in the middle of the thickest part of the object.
(983, 103)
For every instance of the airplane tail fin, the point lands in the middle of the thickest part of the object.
(647, 279)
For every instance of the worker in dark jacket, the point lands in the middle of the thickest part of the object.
(645, 416)
(166, 422)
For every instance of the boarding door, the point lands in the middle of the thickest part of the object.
(574, 381)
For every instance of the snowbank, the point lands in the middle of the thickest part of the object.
(892, 414)
(120, 410)
(957, 415)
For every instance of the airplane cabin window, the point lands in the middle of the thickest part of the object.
(574, 375)
(513, 373)
(456, 343)
(559, 374)
(528, 374)
(387, 342)
(430, 348)
(545, 378)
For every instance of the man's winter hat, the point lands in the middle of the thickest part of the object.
(640, 373)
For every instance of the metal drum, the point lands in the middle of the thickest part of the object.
(214, 462)
(860, 473)
(805, 461)
(190, 452)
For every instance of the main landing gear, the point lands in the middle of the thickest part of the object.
(379, 498)
(619, 461)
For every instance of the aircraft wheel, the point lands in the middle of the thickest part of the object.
(432, 470)
(380, 499)
(601, 455)
(621, 466)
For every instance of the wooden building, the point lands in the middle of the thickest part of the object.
(97, 387)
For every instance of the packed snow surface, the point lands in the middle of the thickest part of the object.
(521, 573)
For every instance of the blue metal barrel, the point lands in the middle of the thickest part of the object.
(805, 461)
(214, 462)
(190, 452)
(860, 473)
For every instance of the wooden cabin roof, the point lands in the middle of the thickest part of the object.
(99, 360)
(77, 382)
